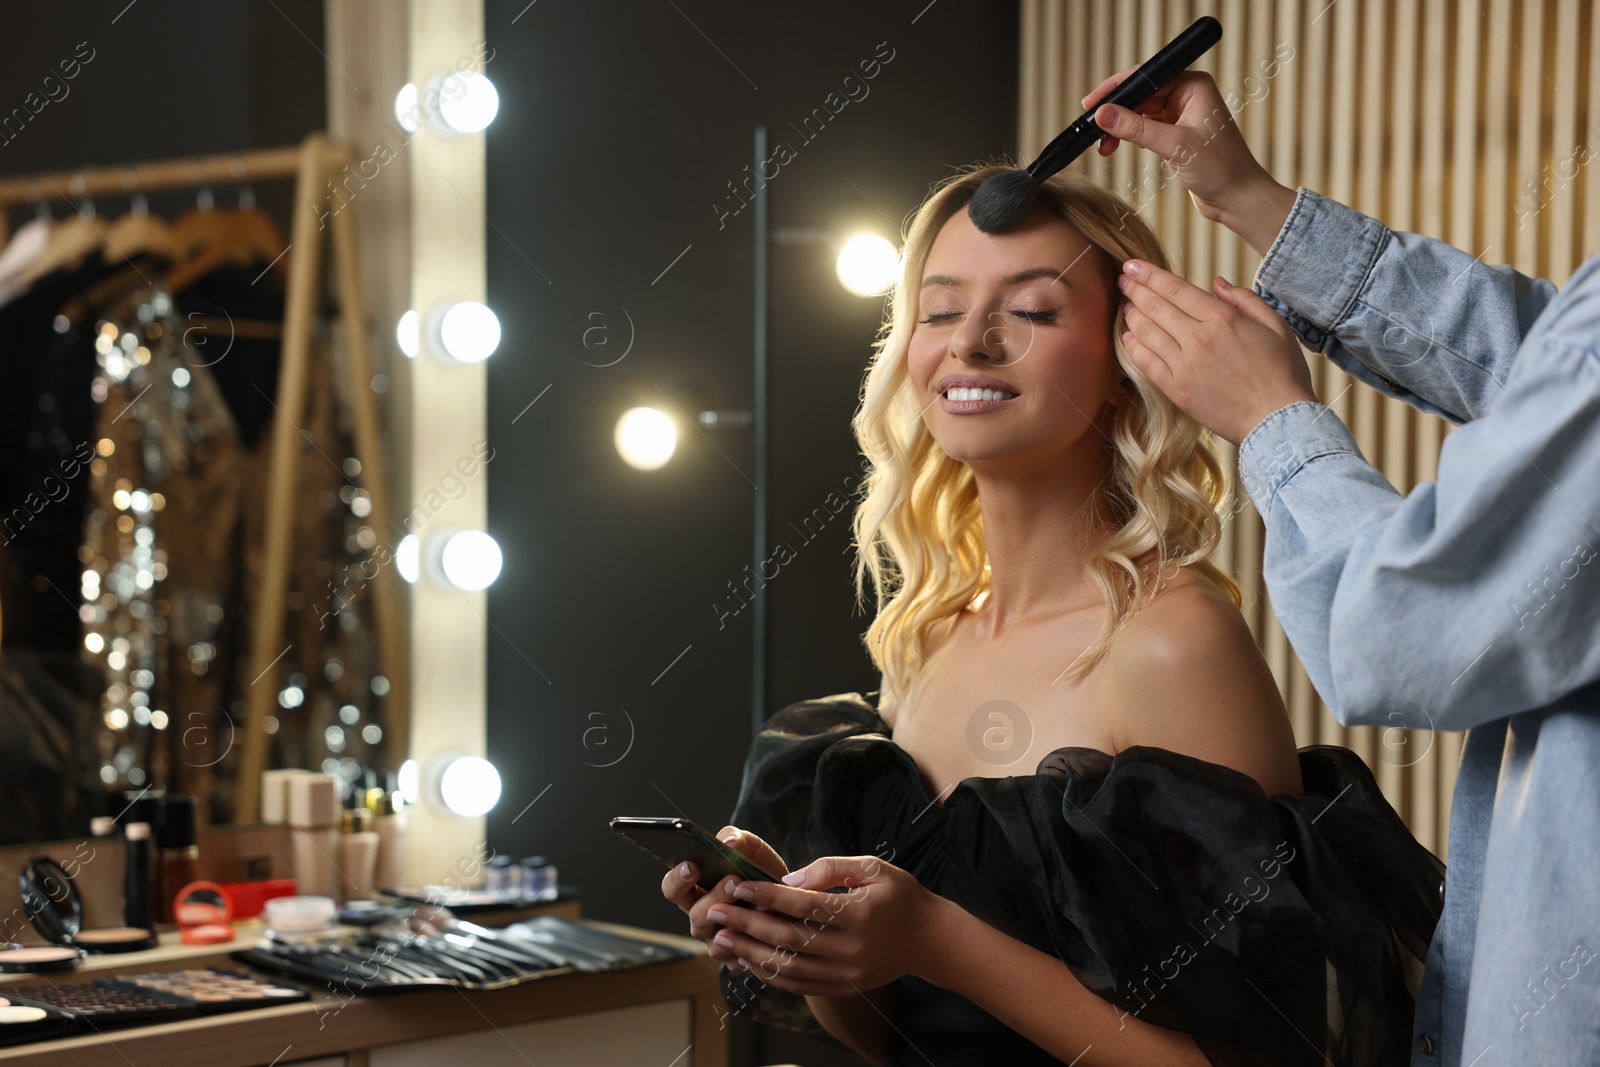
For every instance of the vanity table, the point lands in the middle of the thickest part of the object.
(665, 1014)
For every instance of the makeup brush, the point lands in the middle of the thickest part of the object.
(1005, 199)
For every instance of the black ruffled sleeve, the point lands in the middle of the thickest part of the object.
(1275, 930)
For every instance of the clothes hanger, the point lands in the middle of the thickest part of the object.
(241, 237)
(137, 231)
(194, 227)
(70, 241)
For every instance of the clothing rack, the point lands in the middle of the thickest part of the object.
(310, 164)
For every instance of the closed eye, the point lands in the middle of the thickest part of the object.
(1031, 316)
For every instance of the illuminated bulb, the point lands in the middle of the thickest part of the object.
(868, 265)
(406, 333)
(469, 786)
(468, 101)
(409, 781)
(471, 560)
(406, 557)
(467, 332)
(405, 107)
(645, 438)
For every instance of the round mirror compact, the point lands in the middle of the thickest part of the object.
(56, 911)
(204, 911)
(38, 959)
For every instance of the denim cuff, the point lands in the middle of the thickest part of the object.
(1286, 441)
(1318, 265)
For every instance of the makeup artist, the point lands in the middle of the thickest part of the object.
(1473, 603)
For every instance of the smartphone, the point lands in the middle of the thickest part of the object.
(673, 840)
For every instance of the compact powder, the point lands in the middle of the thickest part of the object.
(48, 958)
(112, 935)
(38, 955)
(16, 1014)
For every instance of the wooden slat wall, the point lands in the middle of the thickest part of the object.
(1469, 122)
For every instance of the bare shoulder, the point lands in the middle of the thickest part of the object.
(1184, 673)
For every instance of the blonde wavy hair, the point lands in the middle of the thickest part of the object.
(918, 527)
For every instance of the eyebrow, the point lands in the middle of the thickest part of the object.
(1015, 279)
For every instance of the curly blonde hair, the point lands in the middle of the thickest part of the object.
(918, 527)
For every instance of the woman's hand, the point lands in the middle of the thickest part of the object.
(679, 886)
(1228, 360)
(833, 944)
(1188, 124)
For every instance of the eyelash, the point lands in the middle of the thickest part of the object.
(1031, 316)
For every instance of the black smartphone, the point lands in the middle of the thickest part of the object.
(673, 840)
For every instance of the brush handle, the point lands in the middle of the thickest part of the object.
(1135, 89)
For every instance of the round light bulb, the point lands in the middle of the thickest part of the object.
(868, 265)
(407, 334)
(410, 781)
(471, 560)
(645, 438)
(470, 786)
(469, 332)
(407, 557)
(405, 107)
(467, 101)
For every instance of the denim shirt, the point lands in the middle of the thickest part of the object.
(1473, 603)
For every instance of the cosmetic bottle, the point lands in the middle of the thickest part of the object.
(138, 903)
(538, 880)
(358, 855)
(390, 824)
(502, 879)
(313, 812)
(180, 854)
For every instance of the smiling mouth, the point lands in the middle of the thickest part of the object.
(974, 401)
(962, 393)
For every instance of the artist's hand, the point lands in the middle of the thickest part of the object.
(1188, 124)
(836, 944)
(1228, 360)
(679, 886)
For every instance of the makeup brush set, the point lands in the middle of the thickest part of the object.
(436, 949)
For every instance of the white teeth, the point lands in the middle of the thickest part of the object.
(977, 394)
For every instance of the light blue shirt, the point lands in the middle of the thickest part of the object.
(1473, 603)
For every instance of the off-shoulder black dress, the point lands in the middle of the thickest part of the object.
(1275, 930)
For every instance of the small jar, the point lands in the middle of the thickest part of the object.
(499, 881)
(538, 880)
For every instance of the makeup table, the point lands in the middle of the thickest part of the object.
(652, 1014)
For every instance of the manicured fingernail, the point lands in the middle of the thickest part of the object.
(727, 887)
(744, 892)
(717, 914)
(724, 939)
(744, 964)
(683, 872)
(1132, 266)
(730, 837)
(795, 878)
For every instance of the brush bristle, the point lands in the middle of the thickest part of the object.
(1003, 200)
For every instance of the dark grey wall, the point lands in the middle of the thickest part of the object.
(166, 78)
(621, 125)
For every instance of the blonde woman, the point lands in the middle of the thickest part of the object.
(1072, 824)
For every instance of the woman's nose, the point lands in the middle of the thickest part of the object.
(980, 335)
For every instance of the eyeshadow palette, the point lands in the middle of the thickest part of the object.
(100, 1006)
(209, 989)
